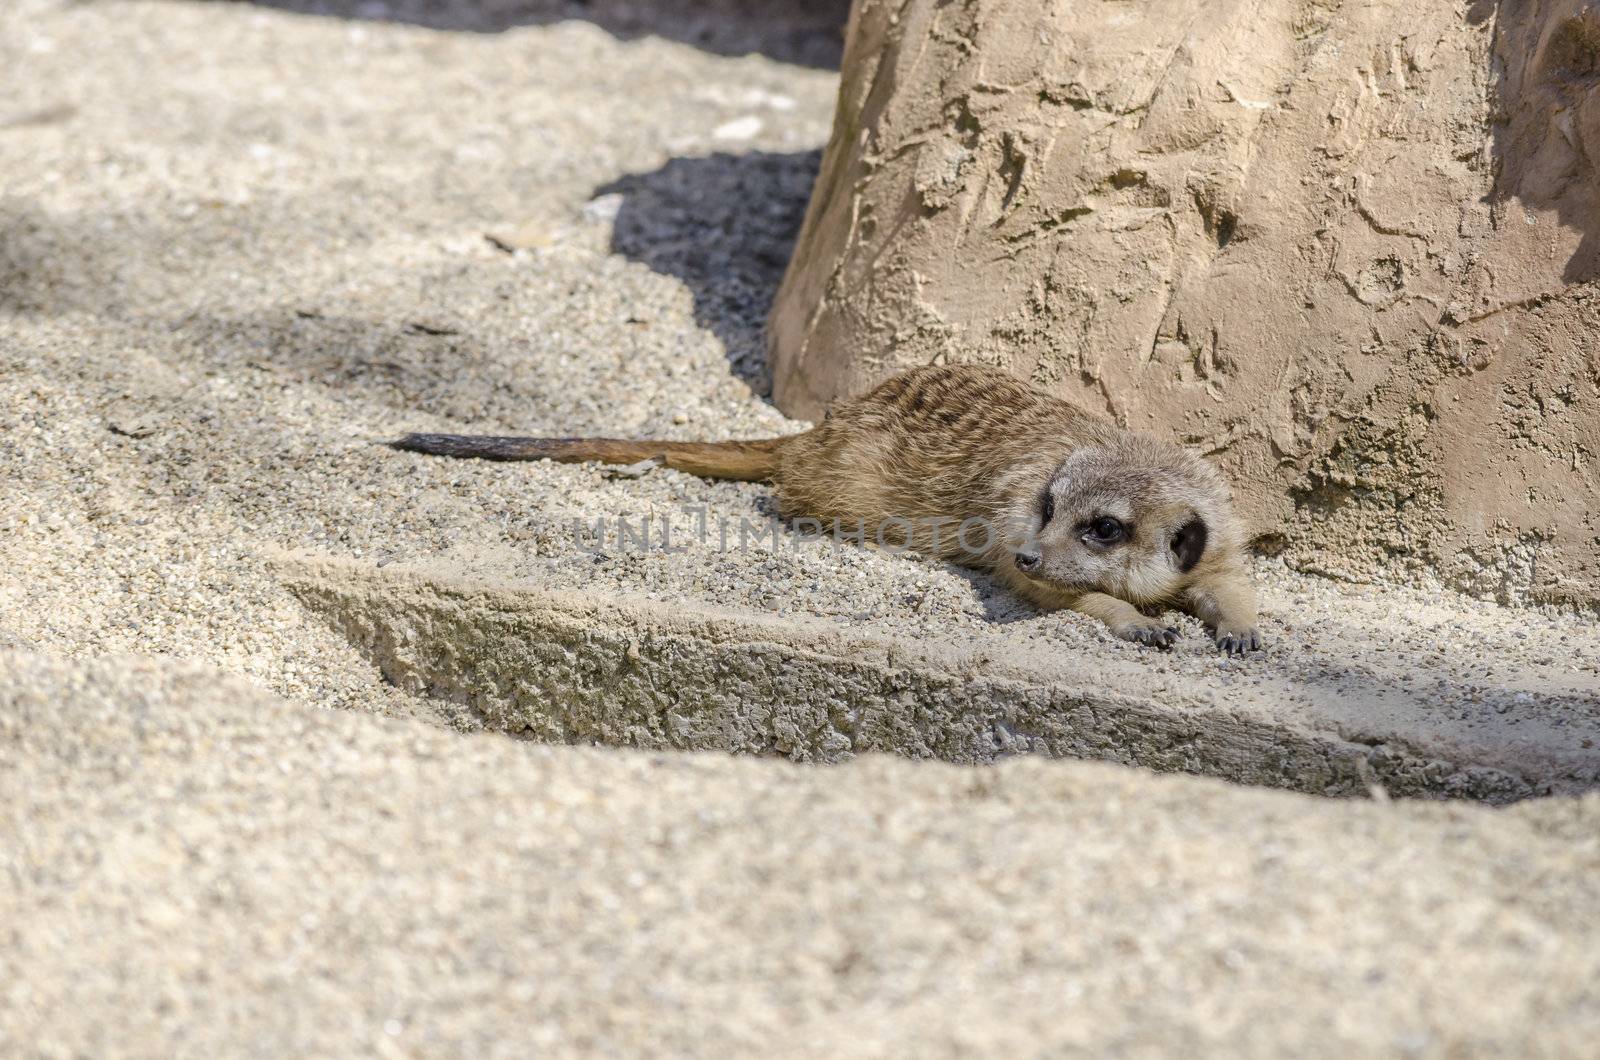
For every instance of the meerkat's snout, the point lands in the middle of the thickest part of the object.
(1119, 519)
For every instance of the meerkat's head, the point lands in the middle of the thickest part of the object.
(1137, 518)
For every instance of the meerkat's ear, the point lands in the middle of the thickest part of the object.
(1189, 543)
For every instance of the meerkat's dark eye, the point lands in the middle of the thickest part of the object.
(1047, 508)
(1105, 531)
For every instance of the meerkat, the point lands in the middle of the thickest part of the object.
(967, 463)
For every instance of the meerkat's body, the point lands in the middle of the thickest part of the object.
(967, 463)
(935, 448)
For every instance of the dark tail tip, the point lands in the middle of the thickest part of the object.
(412, 443)
(483, 446)
(432, 444)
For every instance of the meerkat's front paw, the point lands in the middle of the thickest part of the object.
(1149, 632)
(1237, 641)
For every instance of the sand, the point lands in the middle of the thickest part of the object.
(211, 871)
(240, 246)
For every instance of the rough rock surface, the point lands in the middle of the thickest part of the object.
(241, 244)
(1319, 713)
(195, 868)
(1348, 249)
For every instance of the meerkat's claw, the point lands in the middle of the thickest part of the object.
(1162, 637)
(1237, 643)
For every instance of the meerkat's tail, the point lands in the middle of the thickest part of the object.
(749, 461)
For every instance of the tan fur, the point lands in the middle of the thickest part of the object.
(933, 448)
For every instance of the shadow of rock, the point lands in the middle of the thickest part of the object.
(1546, 127)
(724, 225)
(107, 269)
(804, 32)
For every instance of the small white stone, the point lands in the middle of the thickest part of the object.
(738, 129)
(603, 208)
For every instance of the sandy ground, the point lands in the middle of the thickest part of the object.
(239, 245)
(220, 286)
(211, 872)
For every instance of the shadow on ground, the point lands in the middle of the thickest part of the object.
(724, 225)
(111, 270)
(1546, 70)
(804, 32)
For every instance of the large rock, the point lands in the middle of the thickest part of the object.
(1348, 250)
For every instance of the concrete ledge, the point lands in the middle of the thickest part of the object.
(566, 667)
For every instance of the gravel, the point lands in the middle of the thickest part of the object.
(242, 246)
(208, 871)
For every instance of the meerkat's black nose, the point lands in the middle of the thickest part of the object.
(1027, 561)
